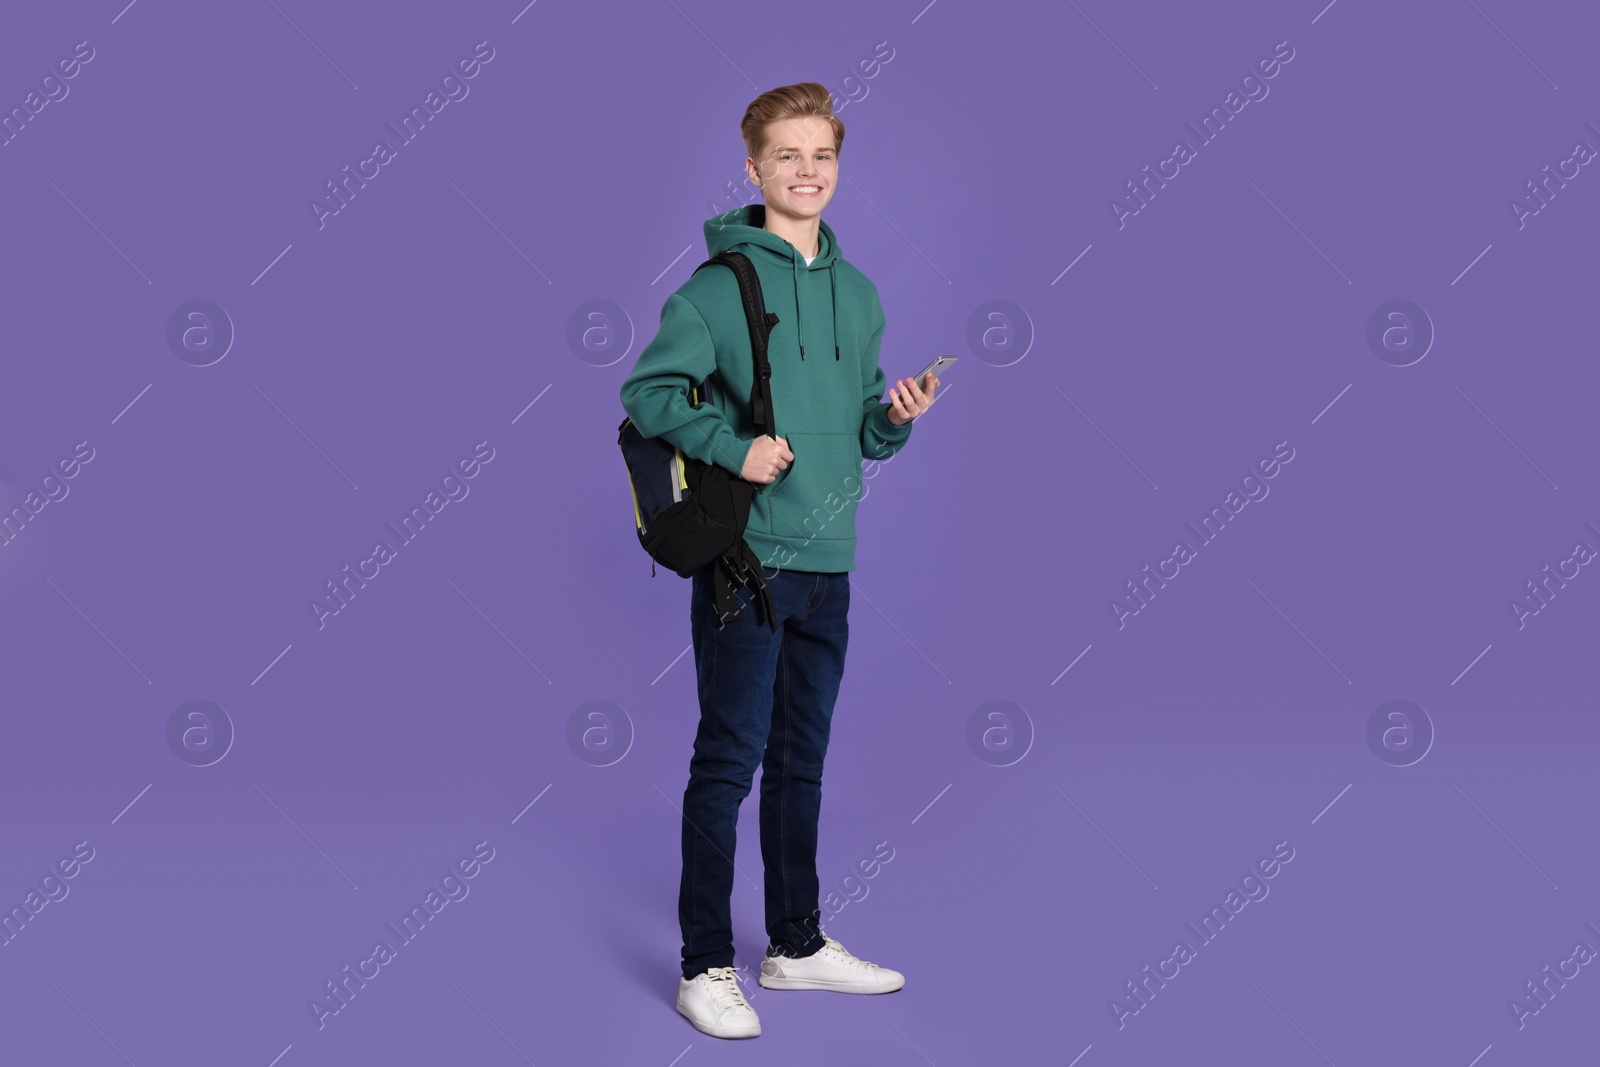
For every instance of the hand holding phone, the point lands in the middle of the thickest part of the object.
(935, 368)
(909, 403)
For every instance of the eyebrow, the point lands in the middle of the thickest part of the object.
(792, 148)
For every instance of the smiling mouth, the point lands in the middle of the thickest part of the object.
(806, 190)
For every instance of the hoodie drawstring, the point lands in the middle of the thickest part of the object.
(794, 273)
(833, 301)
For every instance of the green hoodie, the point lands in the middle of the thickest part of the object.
(827, 387)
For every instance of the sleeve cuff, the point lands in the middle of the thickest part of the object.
(888, 430)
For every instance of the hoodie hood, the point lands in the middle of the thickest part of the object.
(742, 230)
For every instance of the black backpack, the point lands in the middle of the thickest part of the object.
(689, 513)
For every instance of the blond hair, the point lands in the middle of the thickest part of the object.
(806, 100)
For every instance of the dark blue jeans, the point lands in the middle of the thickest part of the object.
(766, 698)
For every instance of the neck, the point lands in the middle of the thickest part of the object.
(804, 234)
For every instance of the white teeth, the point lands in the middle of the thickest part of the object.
(805, 189)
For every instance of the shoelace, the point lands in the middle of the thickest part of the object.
(828, 942)
(723, 985)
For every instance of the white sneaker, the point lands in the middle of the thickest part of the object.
(713, 1002)
(830, 967)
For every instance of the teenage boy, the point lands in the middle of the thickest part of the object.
(767, 695)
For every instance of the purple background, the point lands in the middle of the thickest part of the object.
(434, 311)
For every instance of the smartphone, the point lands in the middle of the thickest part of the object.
(936, 368)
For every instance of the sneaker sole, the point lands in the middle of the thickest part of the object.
(709, 1032)
(813, 983)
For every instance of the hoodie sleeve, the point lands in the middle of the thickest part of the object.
(656, 393)
(880, 438)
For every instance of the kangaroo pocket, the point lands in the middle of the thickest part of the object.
(815, 497)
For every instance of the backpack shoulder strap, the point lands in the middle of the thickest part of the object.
(760, 322)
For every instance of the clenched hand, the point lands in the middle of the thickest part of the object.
(767, 456)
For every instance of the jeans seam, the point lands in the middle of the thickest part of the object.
(783, 782)
(694, 882)
(694, 862)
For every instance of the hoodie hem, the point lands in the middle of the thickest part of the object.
(830, 556)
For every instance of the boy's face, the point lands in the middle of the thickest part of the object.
(801, 166)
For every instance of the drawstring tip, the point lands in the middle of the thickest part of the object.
(802, 351)
(836, 353)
